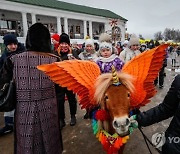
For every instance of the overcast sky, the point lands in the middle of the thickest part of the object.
(144, 17)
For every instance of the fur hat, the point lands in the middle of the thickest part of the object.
(56, 37)
(38, 38)
(104, 37)
(133, 40)
(105, 42)
(64, 38)
(10, 38)
(89, 41)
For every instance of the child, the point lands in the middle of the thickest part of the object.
(107, 58)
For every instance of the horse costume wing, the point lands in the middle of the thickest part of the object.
(77, 75)
(145, 68)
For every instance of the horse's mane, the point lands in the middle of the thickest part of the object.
(105, 80)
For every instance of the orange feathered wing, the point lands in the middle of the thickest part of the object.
(145, 68)
(80, 76)
(77, 75)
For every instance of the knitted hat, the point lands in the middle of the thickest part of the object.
(105, 45)
(89, 42)
(56, 37)
(125, 42)
(10, 38)
(133, 40)
(143, 44)
(64, 38)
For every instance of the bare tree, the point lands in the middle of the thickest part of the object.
(177, 36)
(158, 36)
(167, 34)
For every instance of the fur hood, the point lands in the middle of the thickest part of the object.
(38, 38)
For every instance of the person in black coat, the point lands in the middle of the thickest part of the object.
(65, 53)
(12, 47)
(170, 107)
(160, 79)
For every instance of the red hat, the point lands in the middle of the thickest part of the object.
(56, 37)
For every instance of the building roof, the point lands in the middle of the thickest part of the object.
(54, 4)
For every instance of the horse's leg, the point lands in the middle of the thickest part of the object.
(121, 149)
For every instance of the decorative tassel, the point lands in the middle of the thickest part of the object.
(124, 139)
(97, 135)
(118, 143)
(100, 136)
(106, 146)
(102, 115)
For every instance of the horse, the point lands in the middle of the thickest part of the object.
(115, 93)
(112, 93)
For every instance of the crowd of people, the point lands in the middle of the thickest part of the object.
(39, 115)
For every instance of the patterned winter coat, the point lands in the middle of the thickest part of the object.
(36, 117)
(106, 63)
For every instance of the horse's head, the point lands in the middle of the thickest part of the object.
(114, 97)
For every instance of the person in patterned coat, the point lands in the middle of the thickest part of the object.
(36, 115)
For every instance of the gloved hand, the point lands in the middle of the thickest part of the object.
(134, 123)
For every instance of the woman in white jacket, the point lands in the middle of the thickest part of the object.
(131, 50)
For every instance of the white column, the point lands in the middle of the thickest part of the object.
(66, 25)
(33, 16)
(59, 30)
(106, 27)
(25, 26)
(90, 30)
(85, 28)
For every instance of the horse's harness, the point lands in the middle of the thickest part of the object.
(110, 142)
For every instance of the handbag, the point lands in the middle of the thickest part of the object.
(8, 97)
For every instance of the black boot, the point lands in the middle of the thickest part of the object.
(6, 130)
(62, 123)
(86, 116)
(73, 120)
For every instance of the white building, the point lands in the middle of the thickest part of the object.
(76, 20)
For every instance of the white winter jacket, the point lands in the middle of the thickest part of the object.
(127, 54)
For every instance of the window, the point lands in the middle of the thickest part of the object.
(8, 26)
(3, 24)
